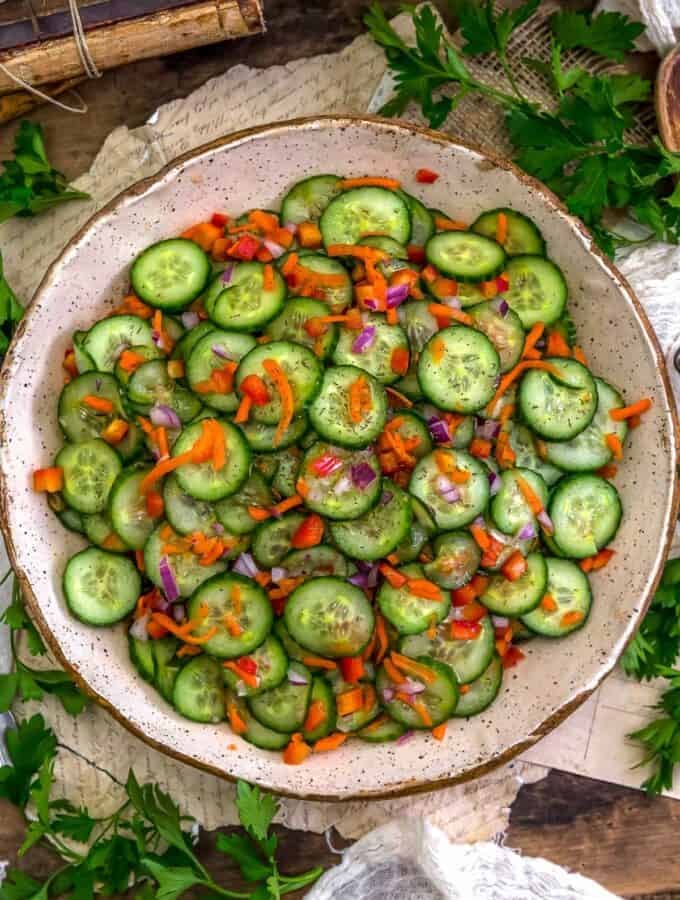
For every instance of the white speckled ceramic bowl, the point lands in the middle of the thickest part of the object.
(254, 169)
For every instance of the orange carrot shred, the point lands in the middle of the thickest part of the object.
(627, 412)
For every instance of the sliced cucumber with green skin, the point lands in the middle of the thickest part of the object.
(185, 567)
(458, 369)
(419, 325)
(266, 464)
(423, 516)
(362, 211)
(263, 438)
(470, 295)
(199, 692)
(408, 612)
(293, 649)
(244, 304)
(426, 485)
(456, 559)
(80, 422)
(307, 199)
(377, 358)
(184, 513)
(170, 274)
(381, 730)
(89, 470)
(523, 444)
(465, 256)
(367, 712)
(412, 425)
(69, 518)
(272, 667)
(256, 733)
(301, 367)
(586, 513)
(439, 697)
(166, 671)
(481, 692)
(322, 694)
(290, 323)
(515, 598)
(380, 530)
(213, 351)
(314, 562)
(337, 298)
(107, 339)
(558, 407)
(232, 597)
(271, 540)
(467, 658)
(132, 445)
(410, 548)
(200, 480)
(335, 496)
(537, 292)
(127, 509)
(422, 221)
(509, 510)
(142, 656)
(284, 708)
(151, 385)
(233, 513)
(99, 531)
(570, 589)
(588, 451)
(388, 244)
(100, 587)
(84, 362)
(329, 413)
(184, 346)
(504, 331)
(147, 353)
(286, 477)
(522, 235)
(330, 617)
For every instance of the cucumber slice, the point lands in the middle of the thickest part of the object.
(522, 235)
(301, 367)
(272, 667)
(330, 617)
(465, 256)
(588, 451)
(292, 648)
(166, 672)
(558, 408)
(287, 470)
(396, 250)
(266, 464)
(198, 692)
(200, 480)
(233, 513)
(408, 612)
(457, 557)
(90, 469)
(481, 692)
(256, 733)
(330, 413)
(308, 198)
(284, 708)
(458, 369)
(69, 518)
(322, 695)
(184, 346)
(377, 358)
(147, 353)
(84, 362)
(317, 561)
(142, 656)
(101, 588)
(515, 598)
(473, 495)
(368, 711)
(570, 589)
(127, 509)
(290, 323)
(244, 304)
(170, 274)
(185, 567)
(504, 331)
(422, 221)
(439, 697)
(526, 455)
(586, 513)
(467, 658)
(80, 422)
(239, 610)
(509, 510)
(265, 438)
(184, 513)
(335, 495)
(214, 351)
(411, 427)
(537, 292)
(151, 385)
(410, 548)
(363, 211)
(107, 339)
(338, 297)
(381, 730)
(380, 530)
(419, 325)
(99, 531)
(271, 540)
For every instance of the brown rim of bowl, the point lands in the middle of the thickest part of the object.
(495, 161)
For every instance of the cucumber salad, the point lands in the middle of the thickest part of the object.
(335, 463)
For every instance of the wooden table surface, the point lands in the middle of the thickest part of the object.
(615, 835)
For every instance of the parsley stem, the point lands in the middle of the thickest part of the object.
(220, 891)
(509, 74)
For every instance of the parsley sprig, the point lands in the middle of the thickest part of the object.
(145, 842)
(579, 148)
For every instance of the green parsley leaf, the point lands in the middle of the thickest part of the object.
(172, 882)
(71, 821)
(255, 810)
(18, 885)
(657, 643)
(15, 615)
(28, 746)
(160, 810)
(559, 79)
(240, 849)
(482, 30)
(610, 34)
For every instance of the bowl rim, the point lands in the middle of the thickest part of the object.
(146, 185)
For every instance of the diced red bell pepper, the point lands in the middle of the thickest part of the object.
(463, 595)
(245, 247)
(502, 284)
(511, 657)
(473, 612)
(514, 566)
(465, 631)
(426, 176)
(219, 219)
(247, 664)
(415, 254)
(49, 480)
(351, 668)
(255, 388)
(309, 533)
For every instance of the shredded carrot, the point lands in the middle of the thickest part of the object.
(154, 504)
(129, 360)
(332, 742)
(381, 639)
(98, 404)
(443, 224)
(183, 631)
(238, 726)
(285, 391)
(532, 499)
(350, 701)
(161, 440)
(357, 391)
(548, 603)
(422, 711)
(397, 398)
(579, 356)
(243, 411)
(393, 672)
(480, 448)
(395, 578)
(556, 345)
(440, 311)
(489, 289)
(411, 667)
(535, 334)
(139, 560)
(615, 446)
(289, 265)
(506, 413)
(268, 278)
(421, 587)
(369, 696)
(390, 184)
(316, 715)
(608, 471)
(501, 228)
(219, 445)
(521, 367)
(571, 618)
(439, 732)
(135, 307)
(318, 662)
(635, 409)
(289, 503)
(297, 751)
(188, 650)
(247, 678)
(481, 536)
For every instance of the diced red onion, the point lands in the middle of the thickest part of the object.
(278, 574)
(290, 226)
(168, 580)
(370, 303)
(480, 521)
(297, 677)
(362, 475)
(359, 579)
(545, 522)
(372, 576)
(343, 485)
(218, 527)
(457, 613)
(494, 483)
(405, 737)
(447, 489)
(227, 274)
(179, 612)
(411, 688)
(157, 338)
(488, 429)
(98, 383)
(364, 339)
(500, 622)
(527, 532)
(164, 417)
(439, 430)
(388, 694)
(245, 565)
(501, 307)
(189, 319)
(385, 497)
(396, 295)
(138, 628)
(451, 301)
(275, 249)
